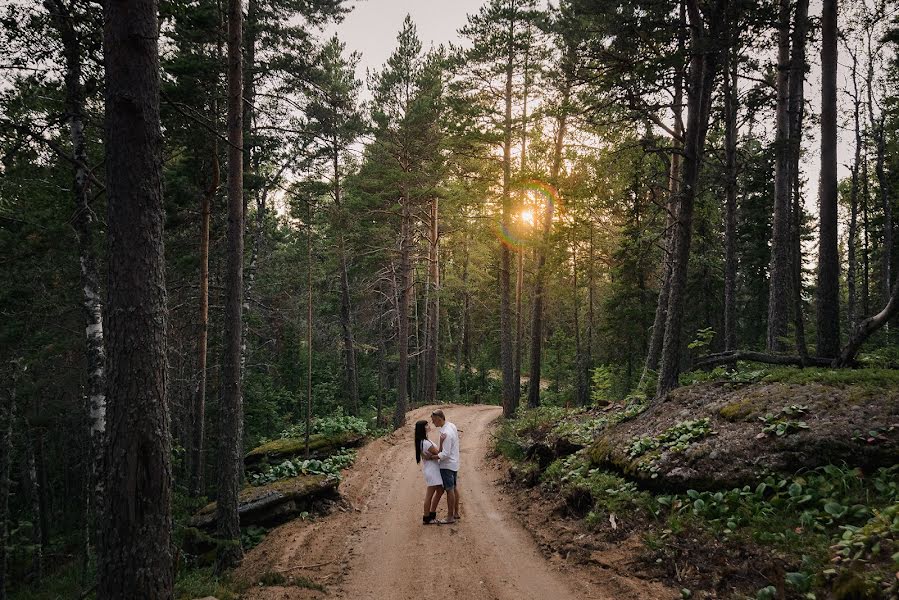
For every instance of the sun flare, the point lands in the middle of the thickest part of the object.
(527, 217)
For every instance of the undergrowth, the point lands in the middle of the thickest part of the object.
(835, 528)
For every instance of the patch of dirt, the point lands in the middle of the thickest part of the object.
(839, 419)
(375, 547)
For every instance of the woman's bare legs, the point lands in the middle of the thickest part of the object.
(438, 494)
(429, 495)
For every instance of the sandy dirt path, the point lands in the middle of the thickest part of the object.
(379, 550)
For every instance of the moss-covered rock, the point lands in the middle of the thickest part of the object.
(844, 425)
(275, 502)
(320, 446)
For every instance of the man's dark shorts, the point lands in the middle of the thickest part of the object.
(449, 479)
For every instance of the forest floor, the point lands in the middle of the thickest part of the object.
(375, 546)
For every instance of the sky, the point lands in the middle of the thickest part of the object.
(371, 28)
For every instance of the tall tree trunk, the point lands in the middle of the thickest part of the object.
(7, 414)
(134, 553)
(878, 134)
(466, 310)
(586, 367)
(83, 224)
(198, 424)
(505, 308)
(516, 350)
(405, 284)
(308, 411)
(703, 67)
(654, 353)
(852, 243)
(730, 220)
(828, 292)
(866, 279)
(578, 386)
(252, 187)
(797, 104)
(430, 396)
(779, 270)
(535, 374)
(346, 313)
(230, 454)
(519, 279)
(34, 497)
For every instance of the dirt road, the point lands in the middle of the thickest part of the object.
(379, 550)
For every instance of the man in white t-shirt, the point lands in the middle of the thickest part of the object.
(448, 460)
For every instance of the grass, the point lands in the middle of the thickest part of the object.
(871, 378)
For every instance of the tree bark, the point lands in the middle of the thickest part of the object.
(779, 269)
(797, 104)
(404, 283)
(198, 425)
(346, 312)
(308, 411)
(7, 414)
(505, 309)
(703, 67)
(657, 338)
(134, 553)
(535, 374)
(230, 454)
(877, 130)
(828, 292)
(867, 328)
(852, 242)
(730, 220)
(34, 497)
(83, 225)
(430, 396)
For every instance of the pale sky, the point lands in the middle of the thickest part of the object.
(371, 28)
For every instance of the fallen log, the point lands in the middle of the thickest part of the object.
(320, 445)
(726, 358)
(273, 503)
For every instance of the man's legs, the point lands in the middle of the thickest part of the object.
(450, 505)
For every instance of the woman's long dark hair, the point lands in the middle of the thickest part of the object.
(420, 435)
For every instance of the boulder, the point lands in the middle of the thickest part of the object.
(320, 446)
(853, 424)
(273, 503)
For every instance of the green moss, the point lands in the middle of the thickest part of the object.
(854, 586)
(835, 377)
(296, 446)
(737, 411)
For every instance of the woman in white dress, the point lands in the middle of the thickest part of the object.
(426, 454)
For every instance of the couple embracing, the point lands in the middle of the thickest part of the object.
(440, 465)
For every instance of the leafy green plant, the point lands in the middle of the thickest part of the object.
(703, 339)
(778, 423)
(675, 439)
(330, 466)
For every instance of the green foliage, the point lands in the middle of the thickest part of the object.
(778, 423)
(330, 466)
(703, 339)
(676, 438)
(867, 556)
(606, 493)
(744, 372)
(203, 582)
